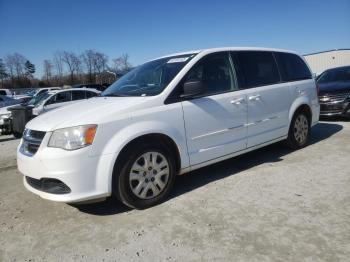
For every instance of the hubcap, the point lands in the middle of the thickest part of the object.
(301, 129)
(149, 175)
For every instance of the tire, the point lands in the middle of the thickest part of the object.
(299, 131)
(134, 176)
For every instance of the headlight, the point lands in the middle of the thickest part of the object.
(73, 138)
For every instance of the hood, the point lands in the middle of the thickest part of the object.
(334, 87)
(92, 111)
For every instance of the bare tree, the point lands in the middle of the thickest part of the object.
(58, 64)
(70, 59)
(3, 73)
(48, 66)
(121, 64)
(15, 64)
(100, 62)
(88, 59)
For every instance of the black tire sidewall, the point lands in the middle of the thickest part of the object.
(292, 142)
(122, 187)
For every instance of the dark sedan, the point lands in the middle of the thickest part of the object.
(334, 91)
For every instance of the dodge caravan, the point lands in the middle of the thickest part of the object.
(166, 117)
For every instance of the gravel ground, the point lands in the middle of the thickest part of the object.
(269, 205)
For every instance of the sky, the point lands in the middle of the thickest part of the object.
(149, 29)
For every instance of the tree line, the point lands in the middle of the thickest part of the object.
(64, 68)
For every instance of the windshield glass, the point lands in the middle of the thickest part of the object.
(334, 75)
(32, 92)
(37, 99)
(150, 78)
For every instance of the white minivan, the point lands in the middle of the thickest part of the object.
(166, 117)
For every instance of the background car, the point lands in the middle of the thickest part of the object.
(94, 86)
(9, 93)
(58, 98)
(39, 91)
(47, 101)
(334, 91)
(8, 101)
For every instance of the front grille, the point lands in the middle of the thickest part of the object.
(48, 185)
(332, 108)
(31, 141)
(333, 98)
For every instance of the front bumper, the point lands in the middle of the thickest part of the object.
(84, 175)
(335, 109)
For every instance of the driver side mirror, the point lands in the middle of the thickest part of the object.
(192, 89)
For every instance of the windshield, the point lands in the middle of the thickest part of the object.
(150, 78)
(334, 75)
(37, 99)
(32, 92)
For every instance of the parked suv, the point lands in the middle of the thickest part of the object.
(166, 117)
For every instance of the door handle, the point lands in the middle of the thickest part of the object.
(237, 101)
(256, 98)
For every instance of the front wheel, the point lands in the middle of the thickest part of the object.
(145, 177)
(299, 131)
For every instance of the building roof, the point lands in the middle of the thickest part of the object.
(332, 50)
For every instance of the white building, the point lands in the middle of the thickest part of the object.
(322, 61)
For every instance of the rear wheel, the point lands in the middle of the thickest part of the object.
(299, 131)
(145, 177)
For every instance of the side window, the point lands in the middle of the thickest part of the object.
(78, 95)
(256, 68)
(63, 97)
(215, 72)
(292, 67)
(90, 94)
(3, 93)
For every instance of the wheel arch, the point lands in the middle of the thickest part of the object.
(301, 105)
(129, 135)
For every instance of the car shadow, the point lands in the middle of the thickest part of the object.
(5, 139)
(198, 178)
(335, 118)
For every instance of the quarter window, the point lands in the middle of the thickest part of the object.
(256, 68)
(90, 94)
(78, 95)
(292, 67)
(215, 72)
(63, 97)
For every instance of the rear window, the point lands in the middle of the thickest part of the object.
(256, 68)
(292, 67)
